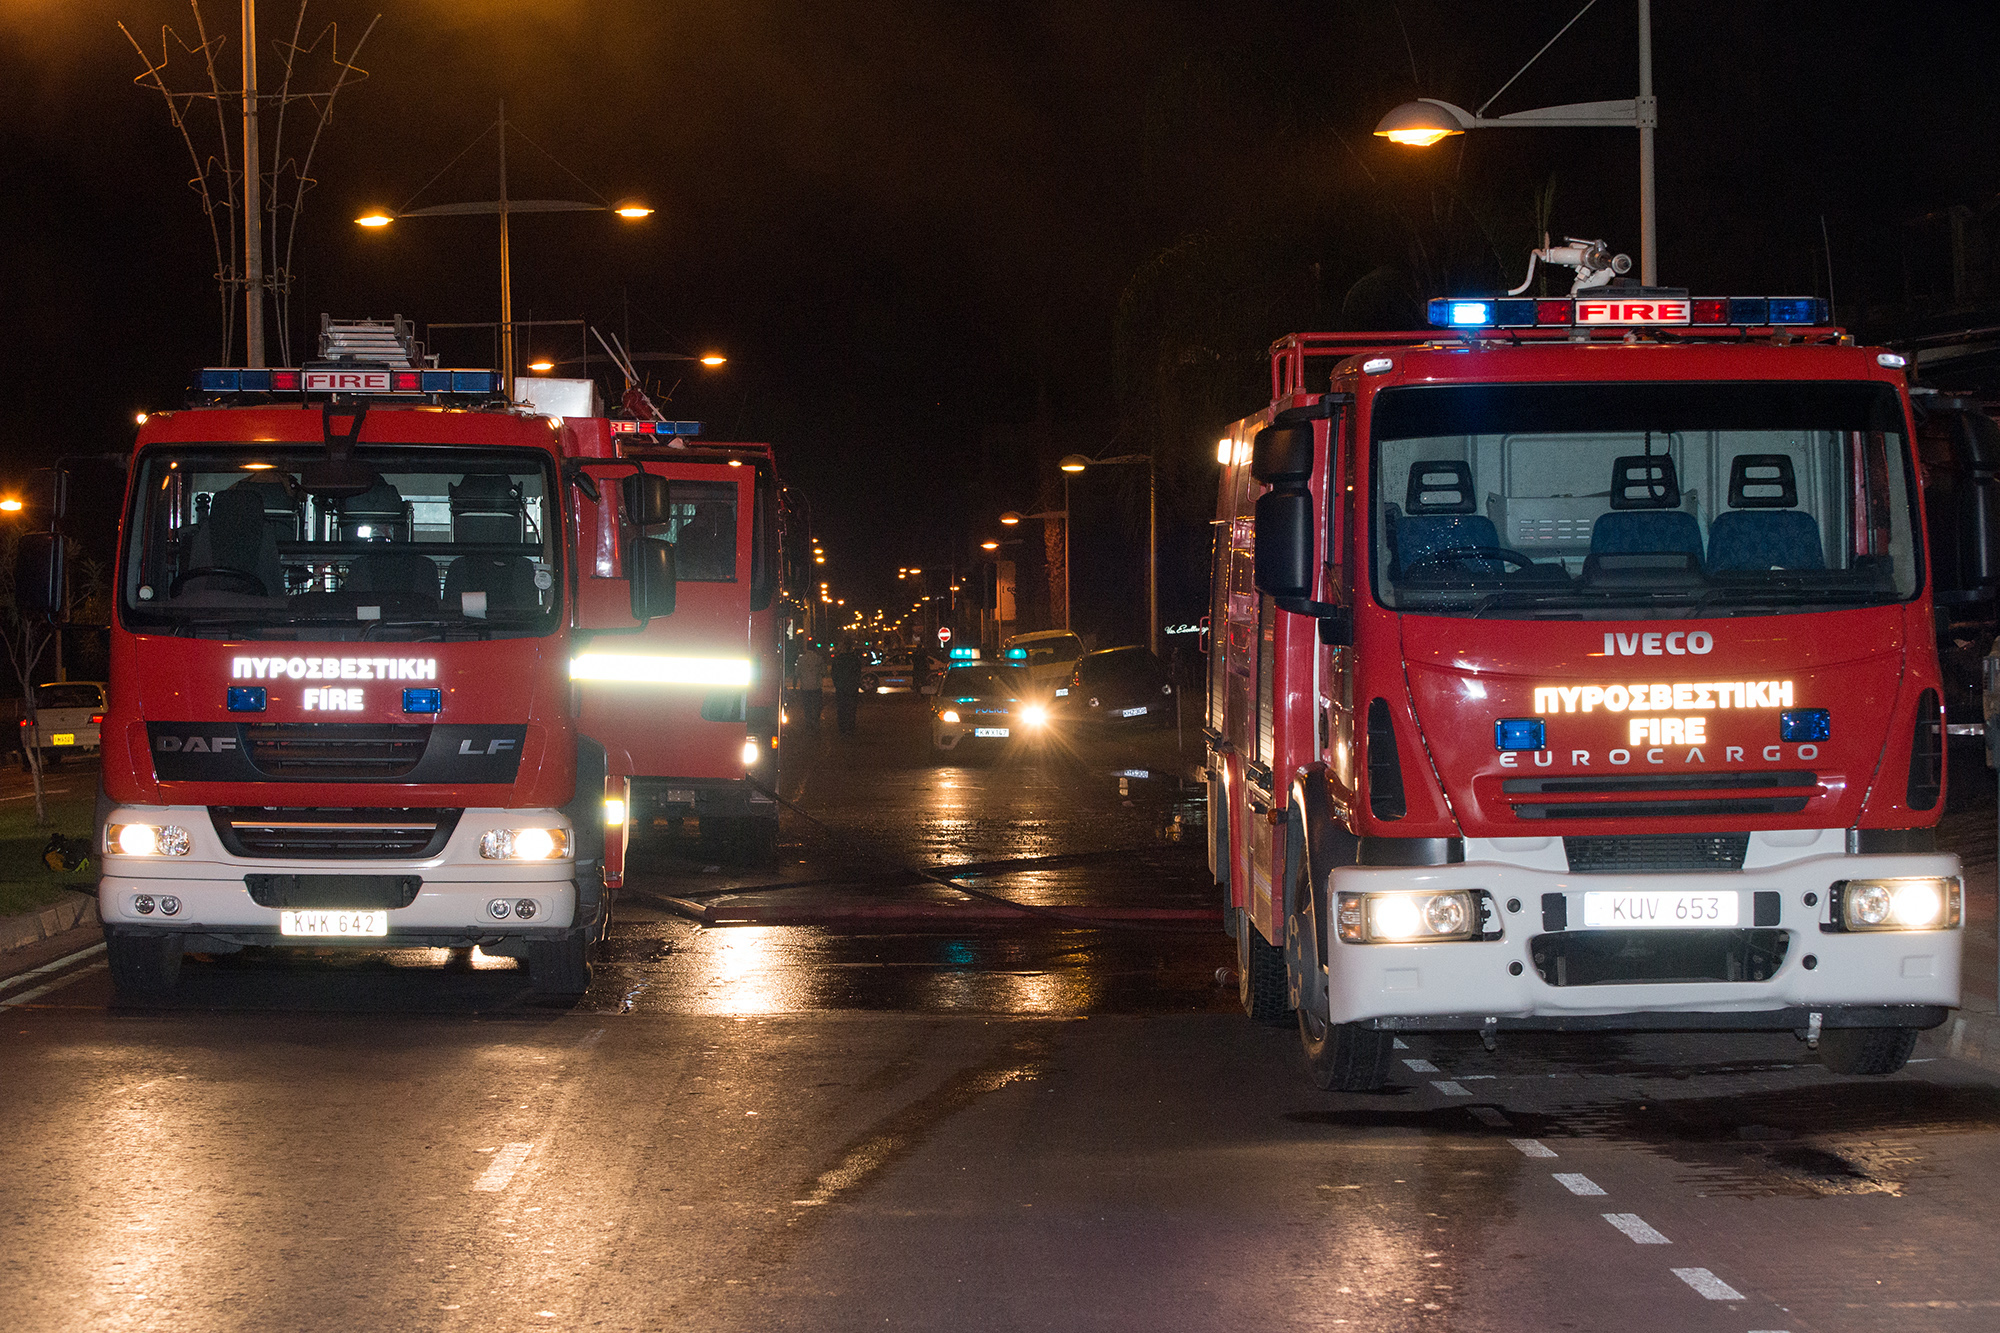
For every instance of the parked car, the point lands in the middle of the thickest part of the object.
(1050, 654)
(986, 706)
(1116, 686)
(891, 675)
(70, 713)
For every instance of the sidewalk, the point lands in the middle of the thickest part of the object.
(31, 928)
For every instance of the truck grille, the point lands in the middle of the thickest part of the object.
(336, 751)
(333, 835)
(1644, 796)
(1629, 957)
(1656, 853)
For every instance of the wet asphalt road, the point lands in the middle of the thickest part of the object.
(909, 1109)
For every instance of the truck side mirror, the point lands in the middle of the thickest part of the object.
(1283, 455)
(39, 580)
(649, 564)
(1284, 542)
(646, 500)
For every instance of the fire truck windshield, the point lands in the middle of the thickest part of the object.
(443, 543)
(1635, 500)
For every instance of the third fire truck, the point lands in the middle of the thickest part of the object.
(1574, 670)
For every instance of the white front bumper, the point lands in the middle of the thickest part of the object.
(458, 884)
(1498, 978)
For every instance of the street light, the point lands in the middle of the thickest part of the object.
(1010, 518)
(1077, 463)
(503, 206)
(1427, 121)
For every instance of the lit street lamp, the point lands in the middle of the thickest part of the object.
(504, 207)
(1074, 463)
(1427, 120)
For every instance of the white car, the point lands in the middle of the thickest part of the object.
(69, 713)
(1050, 655)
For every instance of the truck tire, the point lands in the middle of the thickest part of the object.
(1260, 974)
(1866, 1050)
(1345, 1057)
(143, 966)
(560, 968)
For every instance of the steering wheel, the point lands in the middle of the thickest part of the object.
(1452, 554)
(217, 571)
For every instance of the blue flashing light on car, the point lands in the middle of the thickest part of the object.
(423, 701)
(1520, 733)
(1805, 724)
(247, 698)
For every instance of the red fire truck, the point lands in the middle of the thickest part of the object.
(687, 707)
(342, 707)
(1574, 670)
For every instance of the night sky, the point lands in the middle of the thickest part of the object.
(945, 243)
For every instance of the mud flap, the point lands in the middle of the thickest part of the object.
(1305, 979)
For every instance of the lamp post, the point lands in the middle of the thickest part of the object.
(504, 207)
(1427, 120)
(1075, 463)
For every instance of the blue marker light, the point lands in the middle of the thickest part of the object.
(1017, 654)
(1520, 733)
(246, 698)
(1805, 724)
(423, 701)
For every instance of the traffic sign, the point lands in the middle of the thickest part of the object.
(944, 635)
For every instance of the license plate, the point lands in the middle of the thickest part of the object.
(1605, 909)
(334, 924)
(1132, 712)
(989, 731)
(63, 738)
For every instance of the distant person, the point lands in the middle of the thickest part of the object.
(847, 667)
(809, 672)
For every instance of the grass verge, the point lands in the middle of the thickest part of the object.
(26, 884)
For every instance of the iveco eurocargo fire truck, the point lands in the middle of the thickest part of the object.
(1573, 669)
(341, 698)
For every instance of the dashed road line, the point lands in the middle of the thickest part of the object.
(1451, 1089)
(1636, 1227)
(46, 968)
(1578, 1183)
(1533, 1148)
(502, 1168)
(1421, 1066)
(1708, 1284)
(39, 991)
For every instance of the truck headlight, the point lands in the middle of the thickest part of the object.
(1384, 918)
(146, 840)
(524, 844)
(1896, 904)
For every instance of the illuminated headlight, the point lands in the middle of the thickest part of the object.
(751, 751)
(1897, 904)
(948, 715)
(147, 839)
(1034, 715)
(1377, 918)
(524, 844)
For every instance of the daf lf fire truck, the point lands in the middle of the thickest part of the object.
(1574, 670)
(342, 709)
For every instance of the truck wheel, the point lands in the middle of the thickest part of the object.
(560, 967)
(1260, 974)
(1345, 1057)
(1866, 1050)
(143, 965)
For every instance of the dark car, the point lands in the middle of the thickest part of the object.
(985, 706)
(1118, 685)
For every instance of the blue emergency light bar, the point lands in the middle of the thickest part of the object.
(315, 379)
(1613, 310)
(965, 654)
(656, 428)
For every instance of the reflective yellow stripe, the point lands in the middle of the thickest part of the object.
(634, 668)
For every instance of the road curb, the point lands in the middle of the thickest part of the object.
(1971, 1034)
(74, 909)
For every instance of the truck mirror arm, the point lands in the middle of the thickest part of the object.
(1336, 622)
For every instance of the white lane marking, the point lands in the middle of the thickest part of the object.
(1399, 1044)
(57, 984)
(1635, 1226)
(503, 1166)
(1451, 1089)
(1532, 1148)
(1490, 1117)
(46, 968)
(1708, 1284)
(1577, 1183)
(1421, 1066)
